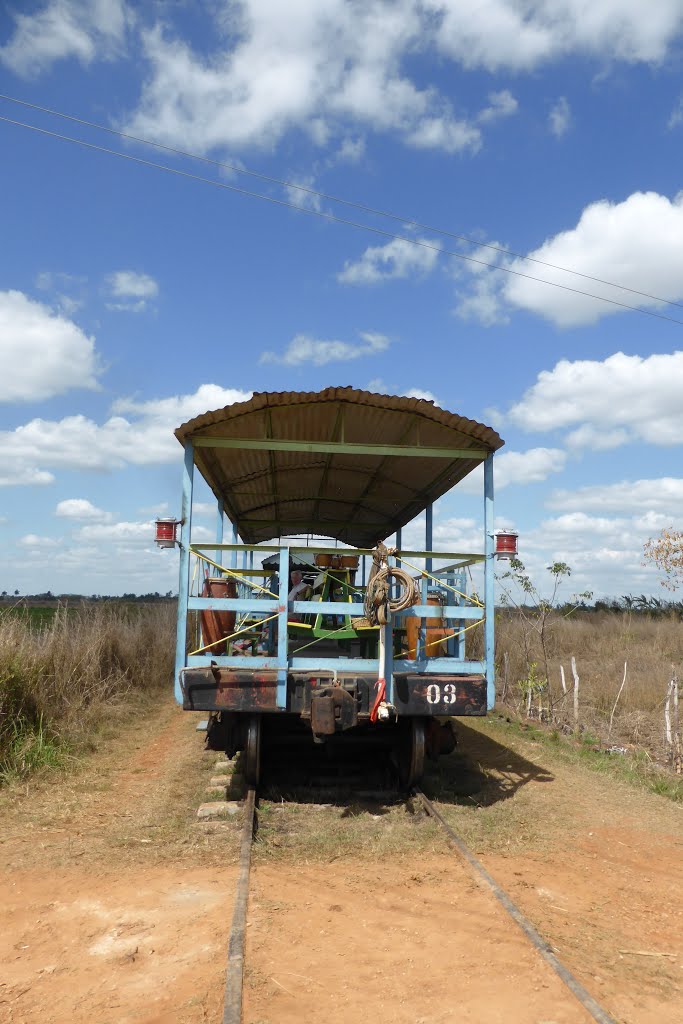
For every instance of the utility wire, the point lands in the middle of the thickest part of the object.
(408, 221)
(333, 218)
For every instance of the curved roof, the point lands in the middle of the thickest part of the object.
(343, 463)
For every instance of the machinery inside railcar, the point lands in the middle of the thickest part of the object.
(304, 623)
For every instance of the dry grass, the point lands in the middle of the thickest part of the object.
(601, 642)
(63, 681)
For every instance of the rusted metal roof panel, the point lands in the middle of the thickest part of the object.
(356, 498)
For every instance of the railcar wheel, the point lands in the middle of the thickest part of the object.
(411, 759)
(252, 751)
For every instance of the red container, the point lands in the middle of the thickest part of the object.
(506, 544)
(164, 532)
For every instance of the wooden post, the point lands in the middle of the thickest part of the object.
(676, 729)
(576, 696)
(667, 717)
(505, 677)
(611, 717)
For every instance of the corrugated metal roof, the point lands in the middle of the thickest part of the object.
(355, 498)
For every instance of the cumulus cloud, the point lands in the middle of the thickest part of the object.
(501, 104)
(315, 66)
(132, 291)
(398, 259)
(86, 30)
(559, 118)
(303, 349)
(529, 467)
(323, 65)
(116, 532)
(426, 396)
(505, 34)
(33, 540)
(676, 117)
(81, 509)
(608, 402)
(637, 243)
(663, 495)
(138, 433)
(42, 353)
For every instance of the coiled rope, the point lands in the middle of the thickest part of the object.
(378, 602)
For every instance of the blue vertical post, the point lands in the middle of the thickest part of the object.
(489, 595)
(184, 573)
(422, 649)
(219, 530)
(282, 638)
(233, 540)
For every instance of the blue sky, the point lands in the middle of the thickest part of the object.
(132, 299)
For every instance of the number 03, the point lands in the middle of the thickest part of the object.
(434, 693)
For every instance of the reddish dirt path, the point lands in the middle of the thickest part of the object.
(115, 906)
(411, 944)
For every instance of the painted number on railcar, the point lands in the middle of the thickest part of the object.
(437, 694)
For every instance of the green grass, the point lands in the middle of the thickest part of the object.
(67, 675)
(30, 748)
(637, 768)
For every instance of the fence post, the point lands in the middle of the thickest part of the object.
(576, 696)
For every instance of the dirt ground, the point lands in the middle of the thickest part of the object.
(115, 903)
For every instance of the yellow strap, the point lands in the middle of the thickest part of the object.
(247, 629)
(236, 575)
(441, 639)
(423, 572)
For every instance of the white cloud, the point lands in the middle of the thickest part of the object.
(304, 349)
(350, 151)
(318, 65)
(676, 117)
(444, 132)
(302, 193)
(14, 474)
(529, 467)
(82, 510)
(624, 398)
(116, 532)
(559, 118)
(501, 104)
(32, 540)
(139, 433)
(42, 354)
(83, 29)
(132, 289)
(397, 259)
(662, 496)
(427, 396)
(637, 243)
(322, 66)
(499, 34)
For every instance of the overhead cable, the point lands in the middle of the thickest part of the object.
(307, 190)
(333, 218)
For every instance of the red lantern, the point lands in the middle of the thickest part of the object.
(164, 532)
(506, 544)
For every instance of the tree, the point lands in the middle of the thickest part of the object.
(666, 553)
(536, 616)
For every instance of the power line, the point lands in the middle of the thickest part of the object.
(333, 218)
(408, 221)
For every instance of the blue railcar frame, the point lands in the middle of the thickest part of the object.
(384, 666)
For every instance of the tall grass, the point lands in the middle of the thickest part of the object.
(61, 681)
(601, 642)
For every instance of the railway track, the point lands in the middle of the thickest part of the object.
(232, 1007)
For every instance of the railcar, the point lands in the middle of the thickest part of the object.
(302, 613)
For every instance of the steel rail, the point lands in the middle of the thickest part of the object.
(536, 939)
(234, 977)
